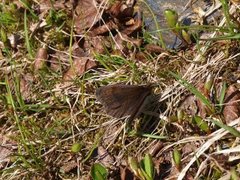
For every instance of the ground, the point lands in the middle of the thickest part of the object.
(87, 91)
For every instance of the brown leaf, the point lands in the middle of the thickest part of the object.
(155, 148)
(152, 48)
(115, 8)
(121, 11)
(15, 40)
(105, 158)
(78, 51)
(40, 59)
(86, 15)
(103, 29)
(98, 44)
(122, 39)
(125, 12)
(119, 42)
(202, 108)
(68, 166)
(26, 82)
(222, 159)
(59, 60)
(136, 26)
(4, 156)
(189, 106)
(231, 110)
(80, 66)
(141, 56)
(7, 147)
(46, 5)
(188, 148)
(125, 173)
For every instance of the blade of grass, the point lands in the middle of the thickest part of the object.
(23, 131)
(95, 145)
(222, 96)
(227, 15)
(153, 136)
(70, 44)
(193, 90)
(156, 24)
(29, 48)
(230, 129)
(225, 37)
(25, 4)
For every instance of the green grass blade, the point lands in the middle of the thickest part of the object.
(148, 166)
(29, 48)
(156, 24)
(154, 136)
(222, 95)
(25, 4)
(193, 90)
(230, 129)
(227, 15)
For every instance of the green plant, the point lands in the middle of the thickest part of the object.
(98, 172)
(143, 169)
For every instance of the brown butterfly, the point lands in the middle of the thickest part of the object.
(121, 100)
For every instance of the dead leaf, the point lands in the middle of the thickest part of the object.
(126, 12)
(59, 60)
(78, 51)
(98, 44)
(189, 106)
(141, 56)
(121, 41)
(188, 148)
(15, 40)
(126, 174)
(7, 147)
(231, 110)
(26, 82)
(152, 48)
(68, 166)
(156, 148)
(203, 110)
(109, 26)
(40, 59)
(46, 5)
(80, 66)
(1, 58)
(222, 159)
(86, 15)
(121, 11)
(4, 156)
(136, 26)
(105, 158)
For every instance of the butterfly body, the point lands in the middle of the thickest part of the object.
(123, 100)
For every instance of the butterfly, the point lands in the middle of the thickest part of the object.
(121, 100)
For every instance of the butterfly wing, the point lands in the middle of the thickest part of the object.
(122, 100)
